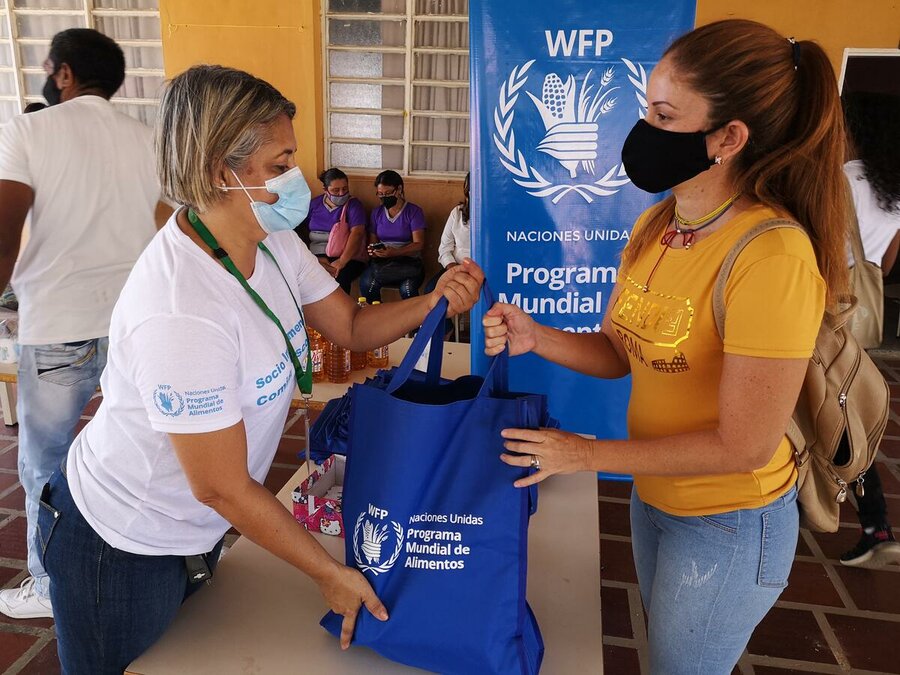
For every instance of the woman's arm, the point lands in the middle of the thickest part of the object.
(599, 354)
(215, 465)
(756, 399)
(357, 235)
(340, 320)
(890, 255)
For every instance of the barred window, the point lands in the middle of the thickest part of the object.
(397, 85)
(27, 26)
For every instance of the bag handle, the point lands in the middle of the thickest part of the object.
(497, 377)
(731, 258)
(343, 218)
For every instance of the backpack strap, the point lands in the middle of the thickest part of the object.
(793, 432)
(731, 258)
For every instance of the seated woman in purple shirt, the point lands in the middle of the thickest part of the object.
(325, 211)
(396, 240)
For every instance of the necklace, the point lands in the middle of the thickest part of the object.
(694, 226)
(703, 221)
(687, 234)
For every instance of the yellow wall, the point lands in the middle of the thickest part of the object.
(276, 40)
(834, 24)
(281, 42)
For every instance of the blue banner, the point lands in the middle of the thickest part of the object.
(555, 90)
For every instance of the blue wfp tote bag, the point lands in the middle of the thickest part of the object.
(433, 520)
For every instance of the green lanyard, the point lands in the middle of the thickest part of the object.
(303, 375)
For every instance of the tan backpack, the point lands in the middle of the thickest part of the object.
(841, 412)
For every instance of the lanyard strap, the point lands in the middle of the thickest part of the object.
(302, 375)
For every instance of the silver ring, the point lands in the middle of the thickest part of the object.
(535, 463)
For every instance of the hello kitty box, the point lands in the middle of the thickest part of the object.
(317, 500)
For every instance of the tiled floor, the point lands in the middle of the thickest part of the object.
(831, 619)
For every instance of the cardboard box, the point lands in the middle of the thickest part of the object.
(317, 500)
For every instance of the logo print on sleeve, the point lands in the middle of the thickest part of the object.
(168, 401)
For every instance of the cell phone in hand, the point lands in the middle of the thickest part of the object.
(377, 246)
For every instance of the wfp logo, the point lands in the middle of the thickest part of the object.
(168, 401)
(572, 134)
(572, 111)
(372, 537)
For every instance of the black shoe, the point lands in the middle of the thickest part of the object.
(874, 549)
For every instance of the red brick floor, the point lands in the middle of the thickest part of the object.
(831, 619)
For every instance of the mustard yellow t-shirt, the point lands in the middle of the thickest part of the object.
(774, 299)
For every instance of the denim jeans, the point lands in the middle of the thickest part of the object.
(55, 382)
(404, 273)
(109, 605)
(707, 581)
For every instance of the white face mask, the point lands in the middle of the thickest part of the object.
(292, 205)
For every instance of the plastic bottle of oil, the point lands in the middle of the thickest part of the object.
(337, 363)
(317, 352)
(358, 359)
(378, 357)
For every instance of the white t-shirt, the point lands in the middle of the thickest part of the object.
(456, 240)
(93, 172)
(876, 226)
(189, 352)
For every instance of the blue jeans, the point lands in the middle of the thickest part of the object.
(707, 581)
(55, 382)
(404, 273)
(109, 605)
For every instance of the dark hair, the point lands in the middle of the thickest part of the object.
(786, 94)
(465, 203)
(873, 124)
(330, 175)
(34, 107)
(96, 61)
(390, 178)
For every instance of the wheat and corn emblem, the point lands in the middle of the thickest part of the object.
(373, 538)
(371, 542)
(572, 125)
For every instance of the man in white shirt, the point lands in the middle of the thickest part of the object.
(86, 175)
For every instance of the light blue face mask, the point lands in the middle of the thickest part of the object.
(292, 205)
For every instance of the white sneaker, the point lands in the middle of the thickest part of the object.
(24, 603)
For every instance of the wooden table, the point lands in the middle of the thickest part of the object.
(8, 379)
(261, 615)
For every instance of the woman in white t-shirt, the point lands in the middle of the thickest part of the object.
(456, 240)
(199, 381)
(873, 125)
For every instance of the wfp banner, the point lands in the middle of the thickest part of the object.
(556, 87)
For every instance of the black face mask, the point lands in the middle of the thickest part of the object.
(389, 202)
(51, 92)
(657, 160)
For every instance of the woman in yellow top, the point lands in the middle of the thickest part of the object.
(744, 125)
